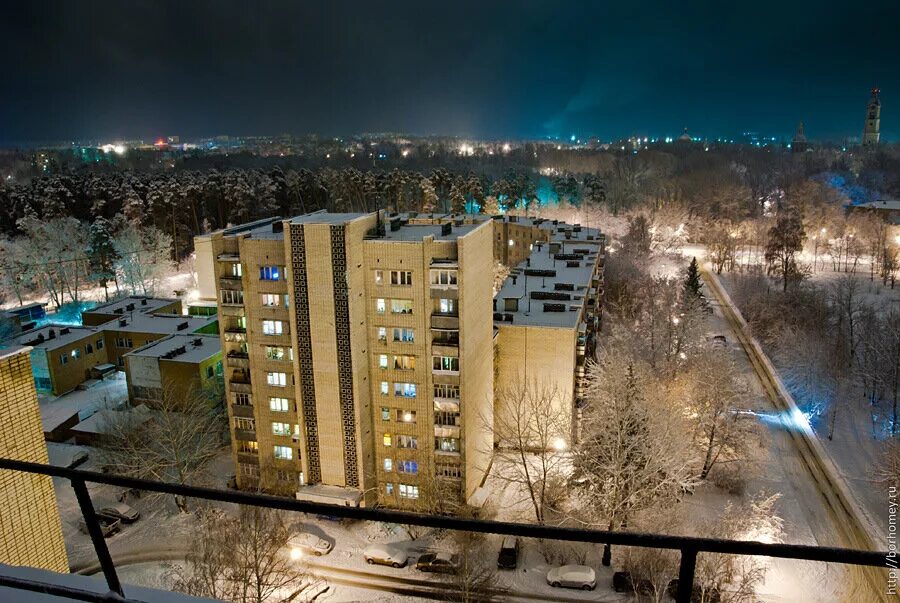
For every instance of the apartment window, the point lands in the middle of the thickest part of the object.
(272, 327)
(404, 363)
(385, 413)
(210, 371)
(388, 465)
(276, 379)
(278, 404)
(401, 306)
(446, 444)
(384, 388)
(248, 470)
(408, 491)
(382, 361)
(387, 439)
(270, 273)
(248, 447)
(232, 297)
(406, 416)
(276, 353)
(407, 441)
(407, 390)
(100, 344)
(379, 277)
(410, 467)
(442, 470)
(401, 277)
(88, 349)
(237, 270)
(269, 299)
(245, 424)
(404, 335)
(389, 489)
(379, 305)
(284, 453)
(63, 359)
(442, 390)
(124, 342)
(443, 277)
(382, 334)
(76, 353)
(281, 429)
(446, 418)
(446, 363)
(511, 242)
(447, 306)
(242, 399)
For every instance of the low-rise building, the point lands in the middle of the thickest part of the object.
(62, 357)
(127, 306)
(180, 365)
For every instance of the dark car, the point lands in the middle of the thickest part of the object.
(121, 511)
(438, 563)
(509, 553)
(108, 526)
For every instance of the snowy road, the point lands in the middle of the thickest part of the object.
(815, 503)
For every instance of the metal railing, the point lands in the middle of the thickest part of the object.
(688, 547)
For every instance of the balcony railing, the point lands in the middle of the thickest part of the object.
(689, 547)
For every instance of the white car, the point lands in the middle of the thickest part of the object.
(572, 576)
(386, 554)
(308, 544)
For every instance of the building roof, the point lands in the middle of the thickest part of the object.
(160, 324)
(53, 336)
(132, 303)
(440, 232)
(192, 348)
(102, 421)
(547, 274)
(880, 204)
(13, 350)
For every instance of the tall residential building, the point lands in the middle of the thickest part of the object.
(359, 348)
(30, 528)
(871, 131)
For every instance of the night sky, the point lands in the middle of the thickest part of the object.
(84, 69)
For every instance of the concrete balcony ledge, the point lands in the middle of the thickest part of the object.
(244, 435)
(445, 321)
(239, 387)
(242, 410)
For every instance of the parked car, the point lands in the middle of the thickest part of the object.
(438, 563)
(572, 576)
(386, 554)
(509, 553)
(79, 458)
(108, 526)
(121, 511)
(308, 544)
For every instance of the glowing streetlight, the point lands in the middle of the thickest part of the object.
(296, 553)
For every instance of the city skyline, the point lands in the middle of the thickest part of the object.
(142, 71)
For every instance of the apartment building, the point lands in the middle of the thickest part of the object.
(358, 352)
(30, 530)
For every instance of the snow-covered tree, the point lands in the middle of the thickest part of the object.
(143, 258)
(429, 196)
(102, 254)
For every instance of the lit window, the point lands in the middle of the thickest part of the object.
(272, 327)
(387, 439)
(380, 305)
(511, 242)
(382, 334)
(404, 335)
(389, 489)
(401, 306)
(245, 424)
(446, 363)
(383, 361)
(406, 441)
(284, 453)
(269, 299)
(408, 491)
(248, 447)
(411, 467)
(443, 277)
(447, 306)
(276, 379)
(236, 270)
(275, 353)
(404, 363)
(406, 416)
(76, 353)
(384, 388)
(278, 404)
(281, 429)
(407, 390)
(269, 273)
(385, 413)
(379, 277)
(388, 464)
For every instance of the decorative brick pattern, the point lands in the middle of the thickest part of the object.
(304, 352)
(344, 355)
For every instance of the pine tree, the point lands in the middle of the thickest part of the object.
(457, 198)
(102, 254)
(692, 284)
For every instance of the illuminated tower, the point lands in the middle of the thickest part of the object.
(873, 120)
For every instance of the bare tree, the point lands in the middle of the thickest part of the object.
(244, 559)
(633, 452)
(144, 258)
(475, 578)
(533, 429)
(785, 242)
(183, 434)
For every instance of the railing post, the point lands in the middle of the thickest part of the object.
(686, 575)
(93, 526)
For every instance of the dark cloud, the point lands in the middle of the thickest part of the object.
(494, 69)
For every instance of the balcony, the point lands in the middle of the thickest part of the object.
(242, 410)
(446, 404)
(446, 431)
(245, 435)
(443, 348)
(240, 387)
(444, 292)
(248, 457)
(233, 335)
(90, 589)
(236, 310)
(232, 283)
(240, 360)
(446, 419)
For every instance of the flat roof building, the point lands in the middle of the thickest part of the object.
(180, 365)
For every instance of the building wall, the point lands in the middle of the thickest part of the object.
(67, 376)
(31, 532)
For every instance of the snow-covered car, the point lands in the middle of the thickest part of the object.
(386, 554)
(719, 341)
(121, 511)
(108, 526)
(572, 576)
(438, 563)
(308, 544)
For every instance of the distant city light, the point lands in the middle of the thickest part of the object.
(506, 148)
